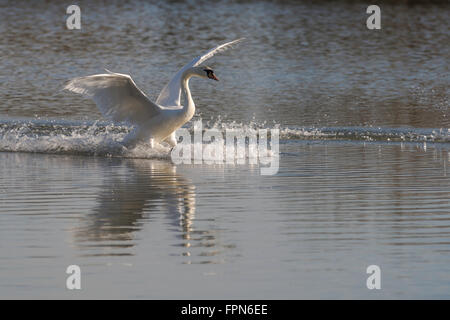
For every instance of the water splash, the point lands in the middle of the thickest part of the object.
(403, 134)
(101, 138)
(70, 137)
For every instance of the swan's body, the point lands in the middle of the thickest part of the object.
(119, 99)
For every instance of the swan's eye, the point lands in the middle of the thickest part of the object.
(210, 74)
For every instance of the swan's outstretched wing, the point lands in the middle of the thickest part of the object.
(170, 94)
(117, 97)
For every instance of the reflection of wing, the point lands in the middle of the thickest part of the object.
(170, 94)
(117, 97)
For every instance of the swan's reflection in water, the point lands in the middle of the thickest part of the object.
(135, 192)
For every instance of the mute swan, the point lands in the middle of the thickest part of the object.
(119, 99)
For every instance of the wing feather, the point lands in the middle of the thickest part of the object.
(116, 96)
(170, 95)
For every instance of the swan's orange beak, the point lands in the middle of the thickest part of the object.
(213, 76)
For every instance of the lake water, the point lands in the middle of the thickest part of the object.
(364, 159)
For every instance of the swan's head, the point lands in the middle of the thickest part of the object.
(210, 73)
(205, 72)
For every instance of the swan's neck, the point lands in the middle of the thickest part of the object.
(189, 106)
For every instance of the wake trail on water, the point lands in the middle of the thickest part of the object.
(77, 138)
(101, 138)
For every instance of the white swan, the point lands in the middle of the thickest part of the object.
(119, 99)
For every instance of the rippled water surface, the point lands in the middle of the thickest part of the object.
(364, 160)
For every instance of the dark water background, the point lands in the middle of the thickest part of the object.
(311, 64)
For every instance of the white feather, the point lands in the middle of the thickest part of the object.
(170, 95)
(116, 96)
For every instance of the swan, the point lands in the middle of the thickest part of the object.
(119, 99)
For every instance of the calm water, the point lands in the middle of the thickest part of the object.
(364, 153)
